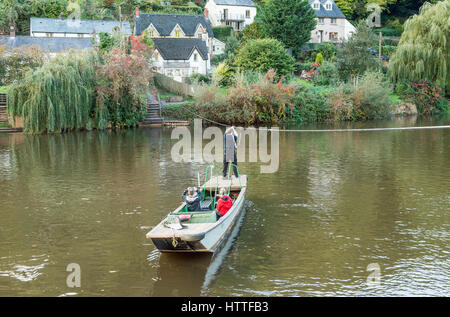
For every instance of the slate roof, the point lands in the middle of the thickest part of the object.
(180, 48)
(47, 25)
(241, 3)
(335, 12)
(49, 44)
(164, 23)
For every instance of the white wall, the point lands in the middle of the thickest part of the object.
(215, 12)
(326, 28)
(218, 46)
(38, 34)
(199, 66)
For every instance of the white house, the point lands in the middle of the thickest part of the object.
(218, 47)
(183, 42)
(332, 25)
(235, 13)
(179, 58)
(45, 27)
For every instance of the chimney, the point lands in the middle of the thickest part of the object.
(205, 13)
(136, 12)
(12, 31)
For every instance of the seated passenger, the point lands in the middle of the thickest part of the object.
(192, 196)
(224, 203)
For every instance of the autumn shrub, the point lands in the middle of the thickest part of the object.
(122, 84)
(263, 102)
(365, 98)
(427, 97)
(15, 62)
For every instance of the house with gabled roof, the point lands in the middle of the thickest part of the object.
(332, 25)
(183, 42)
(235, 13)
(180, 58)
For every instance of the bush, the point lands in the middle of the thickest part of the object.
(223, 76)
(354, 59)
(427, 97)
(366, 98)
(216, 59)
(222, 32)
(263, 55)
(263, 102)
(14, 63)
(327, 74)
(310, 105)
(319, 58)
(199, 78)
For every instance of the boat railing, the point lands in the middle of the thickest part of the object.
(212, 168)
(230, 166)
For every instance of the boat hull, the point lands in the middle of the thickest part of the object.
(208, 241)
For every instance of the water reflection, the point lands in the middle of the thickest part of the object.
(339, 202)
(180, 274)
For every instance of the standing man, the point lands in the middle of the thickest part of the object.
(230, 145)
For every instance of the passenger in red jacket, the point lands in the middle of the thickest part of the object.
(224, 203)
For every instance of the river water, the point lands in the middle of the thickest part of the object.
(341, 206)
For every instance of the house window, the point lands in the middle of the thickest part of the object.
(328, 6)
(321, 20)
(195, 57)
(316, 6)
(333, 36)
(169, 72)
(49, 34)
(247, 14)
(333, 21)
(79, 35)
(177, 33)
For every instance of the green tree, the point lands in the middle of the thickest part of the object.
(289, 21)
(253, 31)
(262, 55)
(354, 59)
(423, 52)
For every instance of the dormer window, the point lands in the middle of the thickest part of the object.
(316, 5)
(328, 6)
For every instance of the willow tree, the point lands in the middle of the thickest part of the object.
(59, 96)
(423, 52)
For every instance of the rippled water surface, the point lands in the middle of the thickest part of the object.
(338, 203)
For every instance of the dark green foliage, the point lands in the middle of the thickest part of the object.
(222, 32)
(354, 58)
(289, 21)
(253, 31)
(310, 105)
(327, 74)
(199, 78)
(216, 59)
(265, 54)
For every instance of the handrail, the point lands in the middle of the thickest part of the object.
(229, 176)
(211, 167)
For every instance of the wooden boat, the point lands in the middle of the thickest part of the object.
(201, 232)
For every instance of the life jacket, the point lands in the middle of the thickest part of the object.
(224, 204)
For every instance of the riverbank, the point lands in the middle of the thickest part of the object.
(265, 101)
